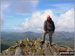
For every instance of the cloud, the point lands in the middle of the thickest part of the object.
(64, 22)
(24, 6)
(35, 22)
(4, 6)
(35, 3)
(1, 20)
(21, 6)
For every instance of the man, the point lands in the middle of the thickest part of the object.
(49, 28)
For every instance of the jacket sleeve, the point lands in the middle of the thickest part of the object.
(45, 26)
(53, 26)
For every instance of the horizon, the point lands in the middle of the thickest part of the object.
(32, 32)
(23, 16)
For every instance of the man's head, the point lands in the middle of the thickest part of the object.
(48, 18)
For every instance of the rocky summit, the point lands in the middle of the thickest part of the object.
(33, 47)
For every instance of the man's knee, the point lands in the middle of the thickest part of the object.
(50, 35)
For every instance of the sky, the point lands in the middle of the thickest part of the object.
(29, 15)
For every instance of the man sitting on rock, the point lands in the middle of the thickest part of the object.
(49, 28)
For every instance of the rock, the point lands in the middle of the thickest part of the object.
(18, 52)
(33, 47)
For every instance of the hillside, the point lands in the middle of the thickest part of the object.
(33, 47)
(61, 38)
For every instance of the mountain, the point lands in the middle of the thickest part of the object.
(33, 47)
(60, 38)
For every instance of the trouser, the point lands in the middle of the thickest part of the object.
(50, 33)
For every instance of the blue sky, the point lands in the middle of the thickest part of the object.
(14, 13)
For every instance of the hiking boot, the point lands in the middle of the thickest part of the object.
(42, 42)
(51, 45)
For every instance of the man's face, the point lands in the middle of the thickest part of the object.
(48, 17)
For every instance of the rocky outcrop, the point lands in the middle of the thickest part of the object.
(33, 47)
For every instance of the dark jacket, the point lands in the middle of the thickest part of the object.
(49, 26)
